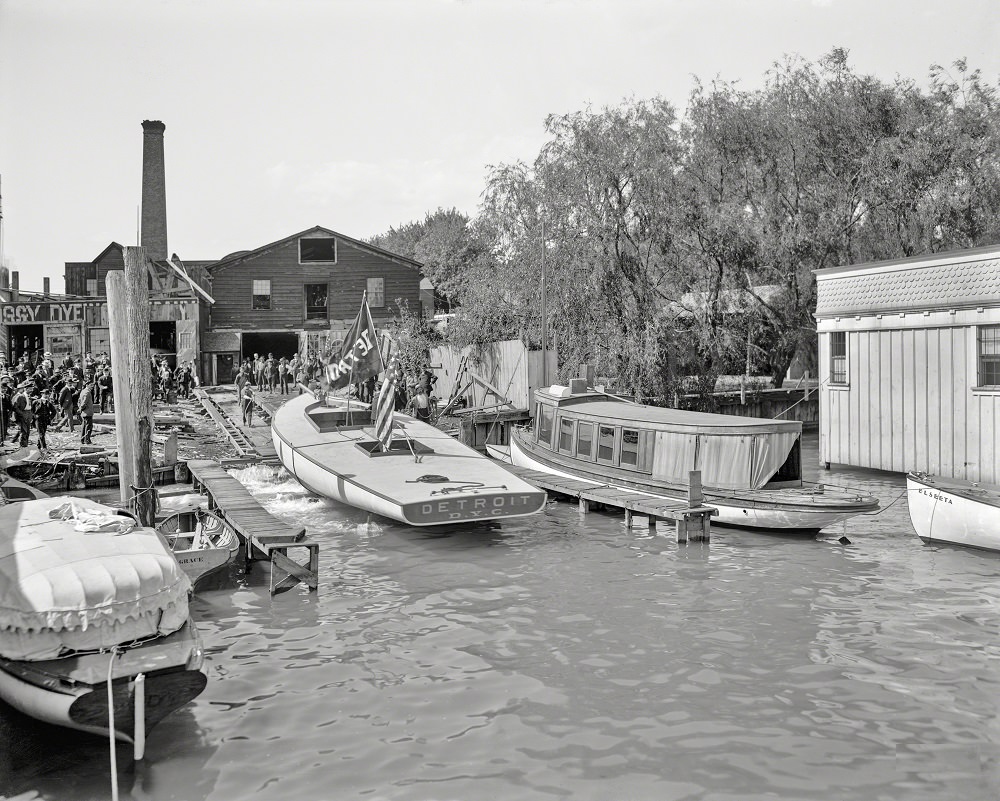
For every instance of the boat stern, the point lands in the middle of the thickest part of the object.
(459, 507)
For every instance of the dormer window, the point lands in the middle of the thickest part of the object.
(318, 250)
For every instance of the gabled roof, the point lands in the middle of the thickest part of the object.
(103, 253)
(241, 255)
(953, 279)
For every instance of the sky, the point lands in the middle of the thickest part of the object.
(362, 115)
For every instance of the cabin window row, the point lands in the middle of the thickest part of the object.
(616, 446)
(315, 297)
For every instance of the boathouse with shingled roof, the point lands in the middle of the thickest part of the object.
(909, 364)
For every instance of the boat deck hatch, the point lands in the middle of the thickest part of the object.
(324, 419)
(398, 447)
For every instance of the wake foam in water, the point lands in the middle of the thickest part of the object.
(284, 497)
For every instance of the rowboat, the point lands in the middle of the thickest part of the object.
(201, 541)
(90, 599)
(425, 478)
(750, 468)
(954, 511)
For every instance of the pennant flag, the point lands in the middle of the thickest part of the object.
(360, 358)
(386, 403)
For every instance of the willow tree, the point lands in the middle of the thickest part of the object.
(779, 182)
(596, 207)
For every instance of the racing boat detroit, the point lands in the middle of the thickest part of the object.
(424, 478)
(750, 468)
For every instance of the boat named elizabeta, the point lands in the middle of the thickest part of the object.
(954, 511)
(424, 477)
(750, 468)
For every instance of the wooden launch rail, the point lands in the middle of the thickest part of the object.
(266, 537)
(691, 518)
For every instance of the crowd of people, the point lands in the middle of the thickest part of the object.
(44, 394)
(278, 375)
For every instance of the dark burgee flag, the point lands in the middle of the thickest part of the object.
(360, 358)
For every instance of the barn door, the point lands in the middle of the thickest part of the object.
(187, 341)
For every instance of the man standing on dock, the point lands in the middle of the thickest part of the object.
(246, 403)
(22, 413)
(45, 412)
(88, 406)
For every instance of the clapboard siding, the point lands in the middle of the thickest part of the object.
(347, 280)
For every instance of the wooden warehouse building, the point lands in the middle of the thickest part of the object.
(300, 294)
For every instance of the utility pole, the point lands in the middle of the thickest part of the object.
(128, 318)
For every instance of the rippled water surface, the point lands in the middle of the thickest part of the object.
(563, 656)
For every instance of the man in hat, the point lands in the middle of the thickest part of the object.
(45, 412)
(23, 415)
(67, 402)
(89, 404)
(6, 393)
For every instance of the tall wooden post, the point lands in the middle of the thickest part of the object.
(128, 318)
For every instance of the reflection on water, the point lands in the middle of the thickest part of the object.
(564, 657)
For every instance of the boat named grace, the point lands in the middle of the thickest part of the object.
(750, 468)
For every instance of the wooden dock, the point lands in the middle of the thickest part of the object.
(691, 517)
(265, 537)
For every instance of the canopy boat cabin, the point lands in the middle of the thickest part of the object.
(425, 478)
(750, 468)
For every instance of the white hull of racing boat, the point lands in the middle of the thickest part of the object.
(428, 478)
(954, 511)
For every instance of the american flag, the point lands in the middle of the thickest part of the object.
(386, 403)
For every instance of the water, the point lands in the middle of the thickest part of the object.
(566, 657)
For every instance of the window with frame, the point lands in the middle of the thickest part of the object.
(317, 249)
(545, 420)
(605, 443)
(260, 293)
(92, 287)
(838, 357)
(584, 439)
(988, 355)
(316, 302)
(566, 435)
(630, 448)
(376, 292)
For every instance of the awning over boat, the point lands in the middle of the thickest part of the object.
(72, 577)
(736, 461)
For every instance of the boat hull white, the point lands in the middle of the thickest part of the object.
(790, 510)
(442, 482)
(954, 512)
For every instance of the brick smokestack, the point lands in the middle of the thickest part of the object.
(153, 226)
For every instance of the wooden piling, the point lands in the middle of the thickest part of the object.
(128, 320)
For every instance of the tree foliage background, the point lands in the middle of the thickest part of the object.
(675, 249)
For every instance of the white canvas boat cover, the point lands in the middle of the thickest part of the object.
(76, 576)
(728, 461)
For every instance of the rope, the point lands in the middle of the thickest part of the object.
(138, 492)
(800, 400)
